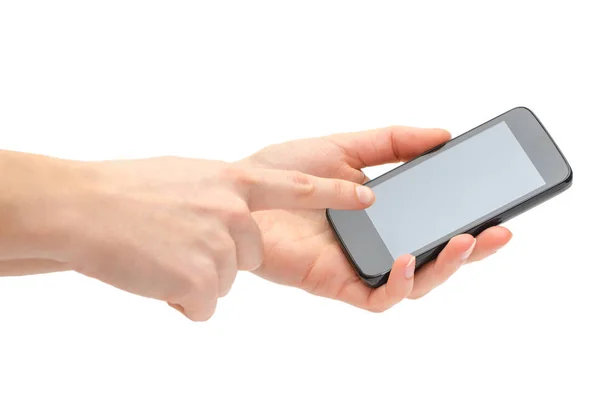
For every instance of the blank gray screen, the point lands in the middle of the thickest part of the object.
(452, 189)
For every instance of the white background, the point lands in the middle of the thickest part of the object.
(121, 79)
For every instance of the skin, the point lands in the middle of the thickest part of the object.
(178, 230)
(168, 228)
(300, 248)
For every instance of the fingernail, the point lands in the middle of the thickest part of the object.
(409, 271)
(468, 252)
(365, 195)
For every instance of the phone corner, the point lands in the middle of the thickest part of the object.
(567, 180)
(374, 281)
(329, 217)
(523, 109)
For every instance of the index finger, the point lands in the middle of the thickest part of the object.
(279, 189)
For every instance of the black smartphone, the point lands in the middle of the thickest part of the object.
(477, 180)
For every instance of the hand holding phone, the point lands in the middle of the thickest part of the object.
(477, 180)
(301, 249)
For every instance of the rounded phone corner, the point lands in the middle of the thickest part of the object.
(375, 281)
(568, 181)
(372, 280)
(566, 178)
(329, 216)
(523, 109)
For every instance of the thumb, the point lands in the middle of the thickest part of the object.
(388, 145)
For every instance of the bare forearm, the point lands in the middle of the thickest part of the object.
(35, 192)
(26, 267)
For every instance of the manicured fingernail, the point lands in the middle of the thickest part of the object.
(409, 271)
(468, 252)
(365, 195)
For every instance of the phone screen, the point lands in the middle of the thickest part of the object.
(457, 186)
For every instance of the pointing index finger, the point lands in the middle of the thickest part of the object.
(279, 189)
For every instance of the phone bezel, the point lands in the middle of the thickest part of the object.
(361, 241)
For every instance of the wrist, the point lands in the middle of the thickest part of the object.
(36, 197)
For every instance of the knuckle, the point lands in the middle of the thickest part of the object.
(338, 188)
(203, 277)
(303, 183)
(223, 247)
(236, 211)
(191, 286)
(197, 290)
(238, 176)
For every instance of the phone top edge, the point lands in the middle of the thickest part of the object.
(451, 140)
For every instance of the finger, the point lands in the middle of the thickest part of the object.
(197, 310)
(194, 316)
(398, 286)
(365, 178)
(227, 276)
(272, 189)
(200, 302)
(246, 235)
(226, 279)
(490, 241)
(388, 145)
(433, 274)
(227, 268)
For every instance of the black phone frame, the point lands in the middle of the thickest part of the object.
(361, 242)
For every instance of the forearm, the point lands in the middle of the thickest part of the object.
(35, 192)
(25, 267)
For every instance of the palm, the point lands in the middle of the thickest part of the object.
(301, 251)
(300, 248)
(298, 245)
